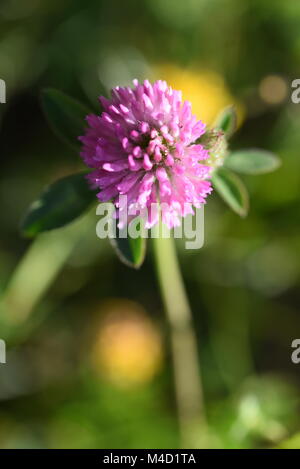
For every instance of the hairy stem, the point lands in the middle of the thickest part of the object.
(184, 347)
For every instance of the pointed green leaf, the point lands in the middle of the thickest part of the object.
(226, 121)
(252, 161)
(65, 115)
(59, 204)
(131, 251)
(232, 190)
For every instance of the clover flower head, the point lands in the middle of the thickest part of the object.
(143, 146)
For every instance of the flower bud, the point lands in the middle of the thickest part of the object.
(215, 142)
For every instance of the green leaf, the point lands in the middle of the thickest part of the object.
(292, 442)
(232, 190)
(226, 121)
(131, 251)
(65, 115)
(252, 161)
(59, 204)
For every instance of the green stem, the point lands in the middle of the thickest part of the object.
(186, 364)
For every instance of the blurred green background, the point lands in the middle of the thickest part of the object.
(88, 361)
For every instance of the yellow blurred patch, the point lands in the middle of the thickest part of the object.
(206, 90)
(128, 347)
(273, 89)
